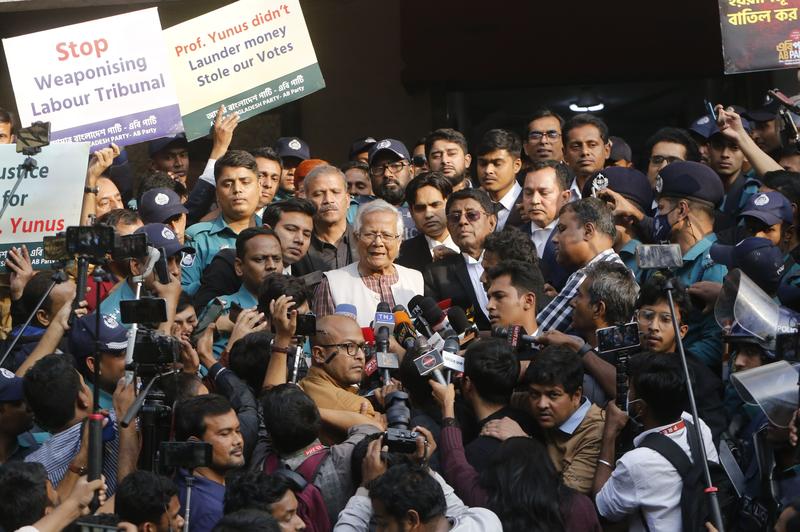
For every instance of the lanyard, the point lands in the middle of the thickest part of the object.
(673, 428)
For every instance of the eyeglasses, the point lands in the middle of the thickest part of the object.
(648, 316)
(419, 161)
(395, 167)
(471, 216)
(661, 159)
(351, 348)
(372, 237)
(552, 134)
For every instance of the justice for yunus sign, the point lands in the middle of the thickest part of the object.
(47, 200)
(250, 56)
(102, 81)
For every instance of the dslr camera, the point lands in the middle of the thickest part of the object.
(397, 437)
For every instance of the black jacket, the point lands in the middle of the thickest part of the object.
(415, 253)
(449, 279)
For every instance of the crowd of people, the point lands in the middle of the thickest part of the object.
(411, 340)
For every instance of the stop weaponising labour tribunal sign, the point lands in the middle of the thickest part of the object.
(251, 56)
(82, 78)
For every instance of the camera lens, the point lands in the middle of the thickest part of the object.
(398, 414)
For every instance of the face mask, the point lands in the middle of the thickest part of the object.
(634, 418)
(662, 229)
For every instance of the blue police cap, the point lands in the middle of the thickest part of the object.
(758, 258)
(690, 180)
(292, 147)
(629, 182)
(393, 146)
(769, 207)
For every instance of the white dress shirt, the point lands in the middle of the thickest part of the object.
(475, 270)
(574, 191)
(644, 483)
(507, 202)
(540, 236)
(447, 242)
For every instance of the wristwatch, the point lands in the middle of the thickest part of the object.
(90, 190)
(78, 470)
(585, 348)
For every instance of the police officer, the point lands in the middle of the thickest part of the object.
(238, 192)
(688, 194)
(634, 186)
(292, 151)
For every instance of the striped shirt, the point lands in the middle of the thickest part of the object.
(558, 313)
(56, 454)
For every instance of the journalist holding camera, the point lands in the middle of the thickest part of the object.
(656, 388)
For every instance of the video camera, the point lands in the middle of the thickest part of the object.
(95, 242)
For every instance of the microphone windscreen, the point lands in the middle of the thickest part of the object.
(458, 319)
(383, 306)
(400, 316)
(431, 311)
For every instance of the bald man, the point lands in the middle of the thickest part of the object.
(337, 365)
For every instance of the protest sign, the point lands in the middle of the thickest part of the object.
(102, 81)
(47, 201)
(251, 56)
(759, 34)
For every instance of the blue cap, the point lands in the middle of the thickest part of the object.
(769, 207)
(629, 182)
(360, 146)
(703, 126)
(393, 146)
(10, 387)
(690, 180)
(757, 257)
(161, 236)
(155, 146)
(113, 336)
(768, 110)
(346, 309)
(292, 147)
(159, 205)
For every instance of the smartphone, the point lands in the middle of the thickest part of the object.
(55, 247)
(712, 114)
(185, 454)
(162, 272)
(95, 241)
(659, 256)
(306, 324)
(234, 312)
(211, 314)
(130, 246)
(143, 310)
(618, 337)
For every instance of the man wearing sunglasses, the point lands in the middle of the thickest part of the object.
(470, 219)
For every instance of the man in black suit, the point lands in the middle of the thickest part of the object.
(426, 195)
(470, 219)
(499, 160)
(545, 191)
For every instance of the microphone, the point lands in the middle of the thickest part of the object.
(458, 320)
(415, 310)
(372, 362)
(404, 331)
(452, 360)
(514, 335)
(431, 362)
(383, 325)
(434, 316)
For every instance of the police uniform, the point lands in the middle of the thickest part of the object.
(695, 181)
(245, 300)
(207, 239)
(634, 186)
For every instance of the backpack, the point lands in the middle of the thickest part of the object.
(310, 504)
(695, 509)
